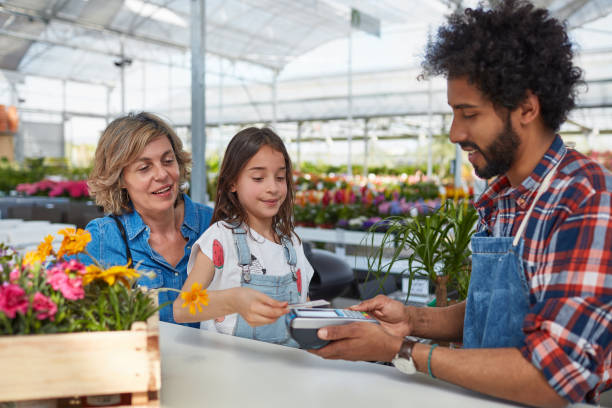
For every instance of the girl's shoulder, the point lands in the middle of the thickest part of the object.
(217, 229)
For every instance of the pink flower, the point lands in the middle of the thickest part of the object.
(13, 300)
(44, 306)
(14, 275)
(71, 288)
(74, 266)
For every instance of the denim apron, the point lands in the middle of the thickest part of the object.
(281, 288)
(498, 295)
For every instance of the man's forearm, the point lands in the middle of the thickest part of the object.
(438, 323)
(502, 373)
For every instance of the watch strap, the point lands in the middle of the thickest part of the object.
(405, 350)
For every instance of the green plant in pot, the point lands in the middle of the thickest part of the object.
(434, 246)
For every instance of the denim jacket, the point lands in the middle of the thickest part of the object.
(108, 248)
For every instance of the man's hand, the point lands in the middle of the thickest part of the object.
(393, 315)
(358, 341)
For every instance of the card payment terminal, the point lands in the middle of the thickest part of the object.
(304, 323)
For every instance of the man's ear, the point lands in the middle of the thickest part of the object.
(529, 108)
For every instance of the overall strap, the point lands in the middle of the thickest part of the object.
(290, 255)
(243, 251)
(128, 253)
(543, 187)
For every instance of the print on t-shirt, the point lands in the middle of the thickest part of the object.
(217, 254)
(256, 266)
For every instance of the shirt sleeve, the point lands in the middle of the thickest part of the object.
(569, 329)
(214, 244)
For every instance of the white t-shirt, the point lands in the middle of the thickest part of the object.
(268, 257)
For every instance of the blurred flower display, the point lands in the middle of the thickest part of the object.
(47, 292)
(75, 189)
(358, 203)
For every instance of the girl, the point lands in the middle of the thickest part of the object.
(250, 259)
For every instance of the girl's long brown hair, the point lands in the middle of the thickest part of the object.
(244, 145)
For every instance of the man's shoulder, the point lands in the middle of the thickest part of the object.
(580, 170)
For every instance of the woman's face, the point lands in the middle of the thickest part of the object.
(152, 179)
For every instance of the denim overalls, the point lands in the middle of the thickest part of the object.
(498, 295)
(282, 288)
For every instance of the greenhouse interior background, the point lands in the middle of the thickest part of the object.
(71, 66)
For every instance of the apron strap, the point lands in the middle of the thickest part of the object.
(128, 253)
(543, 187)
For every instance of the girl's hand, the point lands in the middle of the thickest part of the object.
(256, 308)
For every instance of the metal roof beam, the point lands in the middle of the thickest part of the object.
(150, 40)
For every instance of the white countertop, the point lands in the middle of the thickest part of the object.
(204, 369)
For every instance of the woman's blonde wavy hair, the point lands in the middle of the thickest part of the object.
(121, 143)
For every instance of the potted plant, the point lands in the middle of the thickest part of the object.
(59, 317)
(435, 246)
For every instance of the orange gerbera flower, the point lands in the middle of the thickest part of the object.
(45, 248)
(194, 297)
(74, 241)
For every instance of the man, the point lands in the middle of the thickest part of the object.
(537, 324)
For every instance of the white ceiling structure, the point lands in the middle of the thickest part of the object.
(252, 47)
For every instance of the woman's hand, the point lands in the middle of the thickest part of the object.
(256, 308)
(393, 315)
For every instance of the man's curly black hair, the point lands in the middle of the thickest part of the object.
(505, 51)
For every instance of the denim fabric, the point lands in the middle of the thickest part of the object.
(498, 295)
(108, 247)
(282, 288)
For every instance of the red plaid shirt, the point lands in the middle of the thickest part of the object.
(568, 264)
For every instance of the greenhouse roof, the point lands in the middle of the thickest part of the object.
(253, 45)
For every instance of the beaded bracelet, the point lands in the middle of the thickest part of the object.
(433, 346)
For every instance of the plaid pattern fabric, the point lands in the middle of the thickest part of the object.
(568, 264)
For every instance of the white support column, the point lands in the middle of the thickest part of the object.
(274, 100)
(122, 73)
(144, 86)
(349, 138)
(109, 90)
(63, 129)
(429, 129)
(299, 145)
(220, 120)
(198, 102)
(366, 140)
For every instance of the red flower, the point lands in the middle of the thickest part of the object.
(44, 307)
(13, 300)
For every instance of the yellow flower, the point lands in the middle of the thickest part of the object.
(194, 297)
(32, 257)
(74, 241)
(93, 272)
(111, 275)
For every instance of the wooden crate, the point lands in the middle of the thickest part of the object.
(55, 366)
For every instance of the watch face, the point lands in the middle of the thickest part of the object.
(404, 365)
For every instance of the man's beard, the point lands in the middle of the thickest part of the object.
(499, 156)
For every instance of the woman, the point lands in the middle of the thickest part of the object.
(137, 175)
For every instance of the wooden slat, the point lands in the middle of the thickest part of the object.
(62, 365)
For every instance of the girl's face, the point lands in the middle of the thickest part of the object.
(152, 179)
(262, 186)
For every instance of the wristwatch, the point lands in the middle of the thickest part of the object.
(403, 359)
